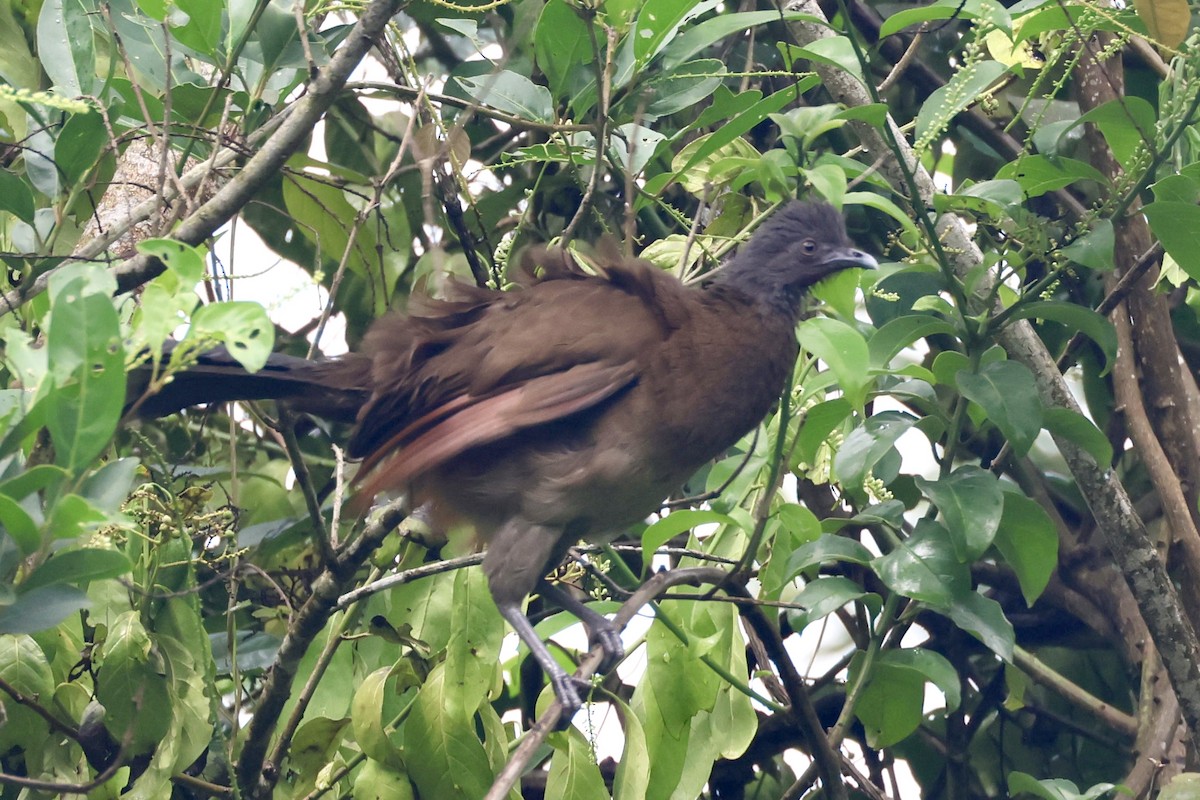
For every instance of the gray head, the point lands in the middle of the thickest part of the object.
(799, 245)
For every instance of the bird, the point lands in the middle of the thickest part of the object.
(566, 410)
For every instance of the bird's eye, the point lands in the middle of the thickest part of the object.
(809, 246)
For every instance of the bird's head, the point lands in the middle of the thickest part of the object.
(799, 245)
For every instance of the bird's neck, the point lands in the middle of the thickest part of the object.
(764, 290)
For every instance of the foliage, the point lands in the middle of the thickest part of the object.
(927, 510)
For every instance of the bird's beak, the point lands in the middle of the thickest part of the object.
(849, 258)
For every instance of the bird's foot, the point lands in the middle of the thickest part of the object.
(604, 634)
(571, 692)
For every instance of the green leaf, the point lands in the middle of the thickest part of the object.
(77, 567)
(202, 31)
(947, 9)
(73, 516)
(1128, 124)
(827, 549)
(132, 685)
(983, 618)
(868, 443)
(817, 423)
(442, 752)
(899, 333)
(657, 23)
(16, 196)
(932, 666)
(1059, 788)
(242, 326)
(78, 145)
(1177, 226)
(633, 769)
(42, 608)
(923, 567)
(844, 350)
(65, 46)
(1028, 541)
(1007, 392)
(88, 362)
(1082, 431)
(1079, 318)
(19, 525)
(970, 502)
(1095, 248)
(961, 91)
(676, 523)
(367, 717)
(512, 93)
(836, 51)
(561, 44)
(711, 31)
(890, 704)
(684, 87)
(1039, 174)
(183, 261)
(26, 671)
(573, 771)
(827, 594)
(377, 781)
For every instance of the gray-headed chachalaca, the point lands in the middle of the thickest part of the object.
(567, 410)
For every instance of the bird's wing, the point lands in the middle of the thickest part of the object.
(470, 421)
(425, 365)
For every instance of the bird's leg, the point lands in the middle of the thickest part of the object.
(600, 630)
(569, 689)
(518, 556)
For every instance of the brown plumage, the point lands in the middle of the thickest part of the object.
(566, 410)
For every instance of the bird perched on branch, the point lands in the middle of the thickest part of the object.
(567, 410)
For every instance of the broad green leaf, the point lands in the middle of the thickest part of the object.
(732, 130)
(512, 93)
(78, 567)
(1177, 226)
(947, 9)
(686, 86)
(573, 771)
(19, 525)
(675, 523)
(827, 594)
(78, 145)
(923, 567)
(890, 705)
(184, 261)
(1079, 318)
(378, 781)
(1006, 391)
(1039, 174)
(963, 89)
(1185, 786)
(711, 31)
(88, 362)
(828, 548)
(561, 44)
(108, 487)
(72, 516)
(1095, 248)
(1060, 789)
(1082, 431)
(657, 23)
(132, 685)
(442, 752)
(816, 424)
(633, 769)
(901, 332)
(65, 46)
(983, 618)
(844, 350)
(16, 196)
(42, 608)
(473, 647)
(836, 51)
(26, 671)
(1128, 124)
(868, 443)
(1029, 543)
(202, 32)
(970, 502)
(242, 326)
(367, 717)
